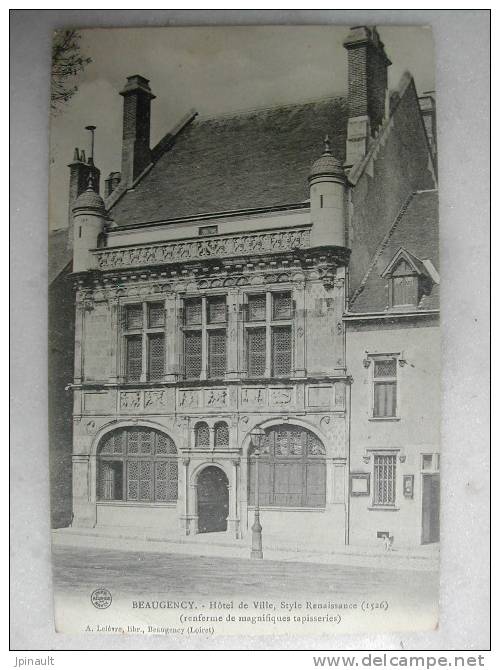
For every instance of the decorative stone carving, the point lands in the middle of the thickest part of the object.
(155, 399)
(325, 420)
(215, 397)
(130, 400)
(90, 427)
(188, 399)
(281, 396)
(215, 247)
(253, 396)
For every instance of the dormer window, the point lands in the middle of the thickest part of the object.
(408, 280)
(405, 286)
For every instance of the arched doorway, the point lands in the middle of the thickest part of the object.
(213, 500)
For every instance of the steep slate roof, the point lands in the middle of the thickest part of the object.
(249, 160)
(59, 255)
(416, 231)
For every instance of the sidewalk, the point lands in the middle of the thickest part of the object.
(422, 558)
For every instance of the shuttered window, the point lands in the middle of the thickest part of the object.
(282, 306)
(192, 354)
(385, 388)
(156, 356)
(292, 469)
(201, 435)
(216, 354)
(256, 352)
(281, 355)
(205, 349)
(257, 307)
(144, 335)
(221, 435)
(384, 477)
(134, 357)
(405, 290)
(137, 465)
(216, 309)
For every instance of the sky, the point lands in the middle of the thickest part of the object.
(215, 70)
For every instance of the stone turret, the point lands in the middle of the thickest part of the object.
(89, 216)
(328, 186)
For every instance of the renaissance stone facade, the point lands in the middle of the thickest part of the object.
(230, 281)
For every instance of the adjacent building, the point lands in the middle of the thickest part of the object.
(276, 269)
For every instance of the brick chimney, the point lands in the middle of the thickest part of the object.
(136, 152)
(367, 89)
(79, 171)
(111, 183)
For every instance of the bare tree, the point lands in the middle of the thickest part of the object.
(67, 63)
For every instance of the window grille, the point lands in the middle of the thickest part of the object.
(192, 354)
(156, 355)
(282, 306)
(216, 354)
(133, 317)
(192, 312)
(292, 469)
(147, 347)
(221, 435)
(145, 471)
(281, 358)
(156, 315)
(257, 307)
(134, 357)
(216, 309)
(385, 388)
(384, 477)
(256, 351)
(202, 436)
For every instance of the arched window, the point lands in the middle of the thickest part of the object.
(221, 435)
(201, 436)
(292, 469)
(137, 465)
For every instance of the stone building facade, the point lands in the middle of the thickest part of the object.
(232, 278)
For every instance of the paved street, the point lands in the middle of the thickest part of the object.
(161, 574)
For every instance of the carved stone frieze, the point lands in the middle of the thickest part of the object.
(157, 400)
(130, 400)
(215, 247)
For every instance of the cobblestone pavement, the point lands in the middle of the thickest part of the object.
(155, 575)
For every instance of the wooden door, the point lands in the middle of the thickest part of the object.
(430, 508)
(213, 500)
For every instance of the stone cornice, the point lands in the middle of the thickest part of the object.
(205, 248)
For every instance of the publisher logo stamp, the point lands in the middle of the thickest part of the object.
(101, 598)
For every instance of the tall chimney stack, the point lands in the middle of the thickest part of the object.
(79, 171)
(136, 152)
(367, 89)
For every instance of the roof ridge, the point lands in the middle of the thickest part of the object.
(383, 244)
(253, 110)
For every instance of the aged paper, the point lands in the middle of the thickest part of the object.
(244, 331)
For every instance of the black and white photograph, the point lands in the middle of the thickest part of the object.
(244, 330)
(266, 369)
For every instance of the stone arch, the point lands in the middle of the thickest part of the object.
(196, 471)
(158, 474)
(292, 421)
(131, 423)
